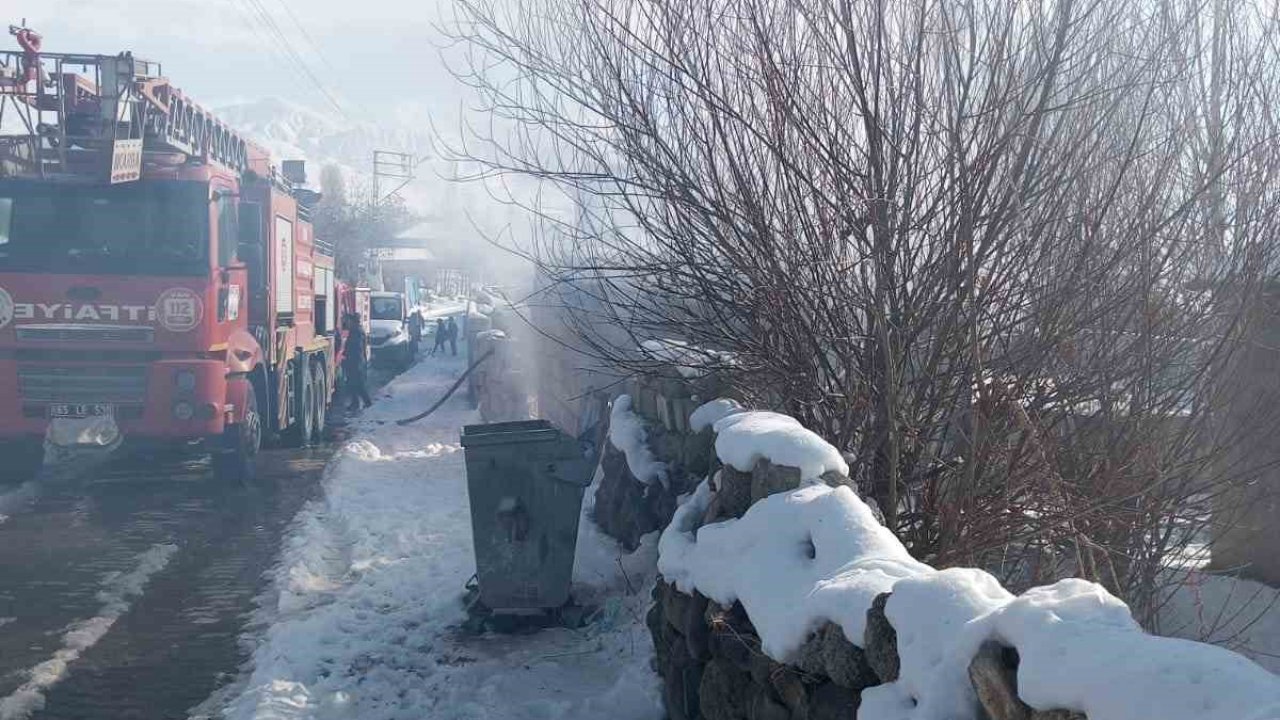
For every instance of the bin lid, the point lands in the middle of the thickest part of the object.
(572, 465)
(504, 433)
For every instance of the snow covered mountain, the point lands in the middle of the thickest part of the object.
(295, 132)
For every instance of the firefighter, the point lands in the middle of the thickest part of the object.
(355, 364)
(452, 330)
(440, 336)
(415, 332)
(30, 41)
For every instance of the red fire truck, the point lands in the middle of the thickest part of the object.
(159, 278)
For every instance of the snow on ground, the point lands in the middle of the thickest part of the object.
(116, 594)
(627, 433)
(443, 308)
(1233, 612)
(362, 621)
(17, 499)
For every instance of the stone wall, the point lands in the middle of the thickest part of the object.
(627, 508)
(710, 656)
(944, 641)
(712, 665)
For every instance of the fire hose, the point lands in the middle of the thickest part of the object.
(447, 395)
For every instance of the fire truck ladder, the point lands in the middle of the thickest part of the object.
(99, 121)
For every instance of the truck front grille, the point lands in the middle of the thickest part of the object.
(83, 384)
(86, 333)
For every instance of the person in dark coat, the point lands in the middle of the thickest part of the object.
(440, 336)
(415, 332)
(355, 364)
(452, 330)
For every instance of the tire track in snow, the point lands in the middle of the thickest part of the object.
(60, 466)
(16, 499)
(116, 595)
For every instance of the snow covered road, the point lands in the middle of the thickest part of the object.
(362, 618)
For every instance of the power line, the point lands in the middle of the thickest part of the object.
(271, 25)
(303, 29)
(265, 38)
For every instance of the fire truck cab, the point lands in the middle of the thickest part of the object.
(159, 278)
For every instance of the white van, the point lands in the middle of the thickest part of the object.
(389, 329)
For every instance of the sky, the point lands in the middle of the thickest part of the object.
(373, 57)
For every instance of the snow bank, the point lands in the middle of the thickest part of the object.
(626, 432)
(798, 559)
(435, 310)
(491, 335)
(795, 560)
(708, 414)
(744, 438)
(1079, 649)
(1241, 614)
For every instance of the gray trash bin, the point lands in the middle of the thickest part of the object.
(525, 480)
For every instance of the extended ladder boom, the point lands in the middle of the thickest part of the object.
(97, 115)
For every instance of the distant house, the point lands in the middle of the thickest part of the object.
(426, 256)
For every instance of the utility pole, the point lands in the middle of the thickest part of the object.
(390, 169)
(395, 167)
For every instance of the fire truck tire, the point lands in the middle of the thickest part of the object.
(236, 461)
(299, 433)
(320, 381)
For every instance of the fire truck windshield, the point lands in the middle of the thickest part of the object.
(143, 228)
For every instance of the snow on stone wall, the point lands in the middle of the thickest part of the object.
(628, 502)
(784, 597)
(708, 414)
(626, 432)
(744, 438)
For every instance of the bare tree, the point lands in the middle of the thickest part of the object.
(1004, 251)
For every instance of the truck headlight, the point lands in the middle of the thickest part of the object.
(185, 380)
(183, 410)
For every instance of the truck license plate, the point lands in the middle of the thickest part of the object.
(80, 410)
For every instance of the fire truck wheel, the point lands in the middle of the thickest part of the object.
(236, 460)
(321, 383)
(299, 433)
